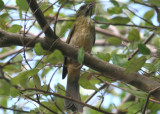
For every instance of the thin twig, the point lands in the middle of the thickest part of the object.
(147, 100)
(22, 111)
(148, 5)
(57, 16)
(41, 20)
(142, 19)
(51, 79)
(11, 52)
(90, 97)
(42, 12)
(68, 98)
(128, 25)
(145, 42)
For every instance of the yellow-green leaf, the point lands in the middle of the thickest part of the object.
(55, 58)
(120, 20)
(143, 49)
(1, 3)
(22, 76)
(114, 41)
(119, 60)
(85, 83)
(114, 10)
(14, 92)
(37, 81)
(81, 55)
(100, 18)
(14, 28)
(135, 64)
(134, 35)
(103, 56)
(22, 4)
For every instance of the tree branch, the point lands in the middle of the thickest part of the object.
(22, 111)
(141, 82)
(41, 20)
(118, 73)
(145, 42)
(107, 32)
(64, 97)
(9, 39)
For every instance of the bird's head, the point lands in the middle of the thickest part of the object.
(85, 10)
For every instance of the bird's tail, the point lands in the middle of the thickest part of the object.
(73, 92)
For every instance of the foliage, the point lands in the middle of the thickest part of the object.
(32, 76)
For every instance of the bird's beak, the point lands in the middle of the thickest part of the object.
(90, 5)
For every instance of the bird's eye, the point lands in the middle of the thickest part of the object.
(82, 7)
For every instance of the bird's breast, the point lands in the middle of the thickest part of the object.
(84, 34)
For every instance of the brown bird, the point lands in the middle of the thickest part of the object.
(82, 34)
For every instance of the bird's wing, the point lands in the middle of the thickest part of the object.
(65, 72)
(94, 37)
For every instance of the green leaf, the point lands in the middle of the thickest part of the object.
(104, 26)
(101, 19)
(61, 1)
(22, 4)
(135, 65)
(14, 92)
(12, 68)
(60, 90)
(64, 27)
(39, 50)
(44, 6)
(85, 83)
(5, 16)
(2, 24)
(149, 14)
(114, 41)
(125, 105)
(150, 67)
(119, 60)
(130, 107)
(14, 28)
(51, 106)
(37, 81)
(154, 2)
(134, 35)
(18, 58)
(115, 3)
(24, 75)
(120, 20)
(143, 49)
(5, 88)
(3, 101)
(81, 55)
(105, 57)
(137, 93)
(16, 67)
(133, 91)
(55, 57)
(45, 71)
(114, 10)
(1, 3)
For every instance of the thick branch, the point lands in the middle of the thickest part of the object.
(8, 39)
(141, 82)
(115, 72)
(41, 19)
(107, 32)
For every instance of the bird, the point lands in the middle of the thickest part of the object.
(81, 35)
